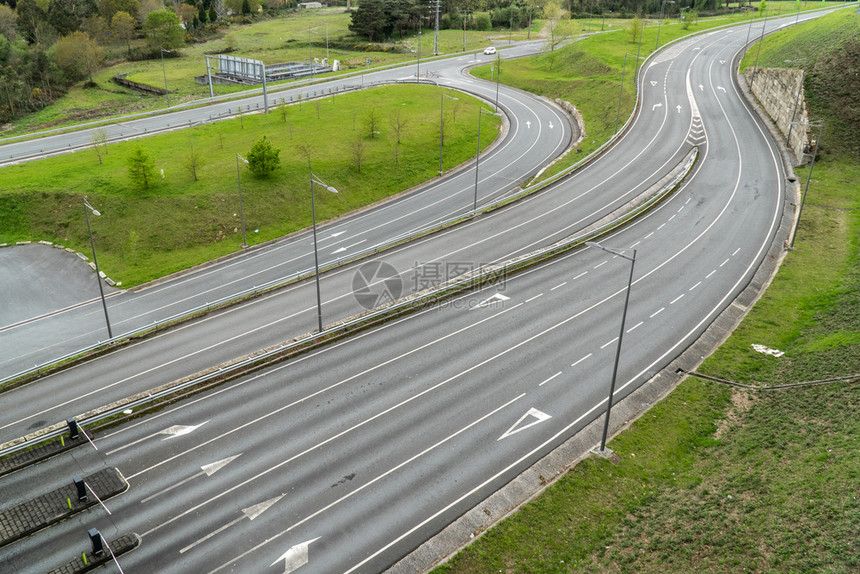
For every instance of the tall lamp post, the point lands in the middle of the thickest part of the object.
(478, 154)
(442, 126)
(632, 261)
(498, 71)
(820, 126)
(241, 207)
(660, 21)
(621, 91)
(87, 209)
(316, 180)
(465, 15)
(164, 73)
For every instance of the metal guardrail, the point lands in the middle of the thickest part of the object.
(429, 296)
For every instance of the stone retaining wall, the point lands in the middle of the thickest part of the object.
(780, 91)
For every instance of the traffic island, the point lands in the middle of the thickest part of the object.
(89, 561)
(53, 507)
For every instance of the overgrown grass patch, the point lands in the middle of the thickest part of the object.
(178, 222)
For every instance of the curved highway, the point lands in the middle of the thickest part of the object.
(345, 459)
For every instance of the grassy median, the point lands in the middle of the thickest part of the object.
(178, 221)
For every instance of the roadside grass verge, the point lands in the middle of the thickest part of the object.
(718, 479)
(178, 222)
(587, 72)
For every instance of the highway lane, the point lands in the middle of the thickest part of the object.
(538, 132)
(364, 448)
(599, 188)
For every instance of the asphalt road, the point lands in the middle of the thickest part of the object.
(538, 131)
(363, 449)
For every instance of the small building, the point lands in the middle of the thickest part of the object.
(303, 5)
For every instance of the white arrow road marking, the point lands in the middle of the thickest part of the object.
(180, 430)
(721, 88)
(679, 108)
(214, 467)
(253, 512)
(532, 412)
(653, 83)
(701, 88)
(342, 249)
(550, 125)
(207, 469)
(250, 513)
(722, 61)
(697, 48)
(655, 106)
(295, 557)
(497, 297)
(529, 125)
(338, 233)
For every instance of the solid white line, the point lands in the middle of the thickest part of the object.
(658, 312)
(694, 286)
(370, 483)
(559, 285)
(549, 379)
(639, 324)
(676, 299)
(321, 391)
(533, 298)
(582, 359)
(604, 345)
(169, 488)
(210, 535)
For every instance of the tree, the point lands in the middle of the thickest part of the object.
(213, 14)
(553, 14)
(186, 14)
(246, 7)
(193, 161)
(109, 8)
(141, 167)
(66, 16)
(371, 19)
(30, 15)
(397, 123)
(202, 15)
(8, 22)
(98, 141)
(636, 28)
(358, 149)
(264, 158)
(78, 55)
(164, 30)
(122, 28)
(372, 123)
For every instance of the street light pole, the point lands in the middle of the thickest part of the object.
(241, 207)
(316, 180)
(87, 209)
(164, 73)
(498, 71)
(620, 336)
(442, 126)
(478, 155)
(660, 21)
(621, 91)
(808, 178)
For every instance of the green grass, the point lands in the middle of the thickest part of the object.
(720, 480)
(587, 73)
(144, 234)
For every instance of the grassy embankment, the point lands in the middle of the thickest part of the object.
(179, 222)
(715, 479)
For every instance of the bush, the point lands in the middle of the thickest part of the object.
(482, 22)
(264, 158)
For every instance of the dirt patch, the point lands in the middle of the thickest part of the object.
(742, 400)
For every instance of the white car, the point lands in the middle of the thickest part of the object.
(489, 51)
